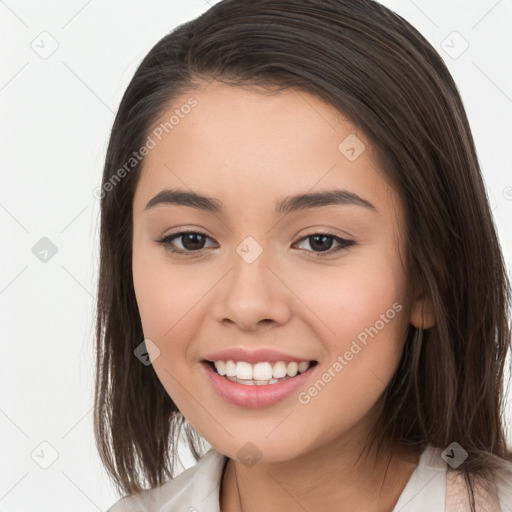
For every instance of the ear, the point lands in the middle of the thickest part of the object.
(422, 313)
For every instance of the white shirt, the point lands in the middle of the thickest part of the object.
(197, 489)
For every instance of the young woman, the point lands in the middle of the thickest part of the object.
(299, 266)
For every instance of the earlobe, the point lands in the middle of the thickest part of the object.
(422, 313)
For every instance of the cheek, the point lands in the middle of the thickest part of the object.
(368, 318)
(347, 299)
(170, 299)
(370, 301)
(166, 303)
(166, 295)
(362, 312)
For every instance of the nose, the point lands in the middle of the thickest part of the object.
(252, 295)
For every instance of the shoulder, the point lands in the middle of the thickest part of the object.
(495, 493)
(425, 490)
(504, 486)
(196, 488)
(434, 479)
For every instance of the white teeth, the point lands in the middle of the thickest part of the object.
(260, 373)
(303, 366)
(244, 370)
(279, 370)
(292, 369)
(255, 382)
(221, 367)
(230, 369)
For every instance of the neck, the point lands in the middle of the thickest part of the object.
(335, 477)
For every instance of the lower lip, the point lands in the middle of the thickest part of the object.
(255, 396)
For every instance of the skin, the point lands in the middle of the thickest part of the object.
(249, 149)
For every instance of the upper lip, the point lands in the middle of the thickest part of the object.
(253, 356)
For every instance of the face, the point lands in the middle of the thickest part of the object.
(318, 281)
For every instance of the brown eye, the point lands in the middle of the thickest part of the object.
(322, 242)
(193, 241)
(190, 241)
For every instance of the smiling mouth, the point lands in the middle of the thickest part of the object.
(261, 375)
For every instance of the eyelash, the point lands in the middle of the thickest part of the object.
(166, 242)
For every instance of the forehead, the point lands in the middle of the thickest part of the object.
(241, 145)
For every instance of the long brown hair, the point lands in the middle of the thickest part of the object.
(381, 73)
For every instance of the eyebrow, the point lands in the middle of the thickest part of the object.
(286, 205)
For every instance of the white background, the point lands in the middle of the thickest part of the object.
(56, 116)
